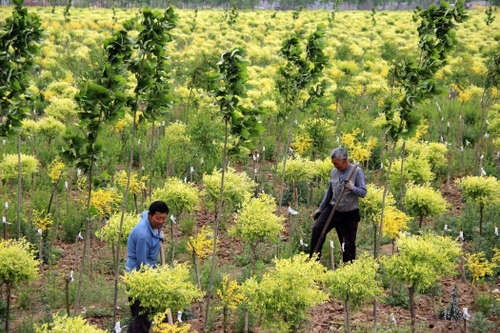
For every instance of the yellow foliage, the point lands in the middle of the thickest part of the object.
(42, 220)
(105, 200)
(479, 266)
(229, 294)
(202, 244)
(395, 221)
(162, 327)
(56, 169)
(135, 186)
(301, 144)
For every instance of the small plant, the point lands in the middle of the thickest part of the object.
(283, 295)
(453, 311)
(162, 288)
(230, 297)
(480, 324)
(354, 283)
(423, 200)
(17, 264)
(67, 324)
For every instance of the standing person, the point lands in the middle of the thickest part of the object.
(143, 246)
(346, 217)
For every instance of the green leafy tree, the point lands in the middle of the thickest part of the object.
(423, 201)
(414, 77)
(256, 223)
(298, 74)
(19, 39)
(283, 295)
(241, 124)
(354, 283)
(481, 191)
(162, 288)
(100, 102)
(421, 262)
(17, 264)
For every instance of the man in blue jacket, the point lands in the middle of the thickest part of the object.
(143, 246)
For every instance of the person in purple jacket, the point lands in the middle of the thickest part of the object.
(143, 246)
(346, 217)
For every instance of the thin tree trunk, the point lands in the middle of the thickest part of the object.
(19, 187)
(7, 309)
(124, 207)
(401, 188)
(481, 207)
(216, 227)
(86, 239)
(288, 142)
(411, 291)
(347, 316)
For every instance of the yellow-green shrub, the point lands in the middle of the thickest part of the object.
(67, 324)
(8, 167)
(283, 295)
(162, 288)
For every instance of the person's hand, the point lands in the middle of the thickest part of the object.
(348, 184)
(317, 213)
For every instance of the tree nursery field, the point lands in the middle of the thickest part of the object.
(229, 116)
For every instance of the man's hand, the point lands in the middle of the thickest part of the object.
(317, 213)
(348, 184)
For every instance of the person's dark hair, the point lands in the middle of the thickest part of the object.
(158, 206)
(339, 153)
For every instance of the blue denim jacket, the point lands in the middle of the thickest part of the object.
(143, 245)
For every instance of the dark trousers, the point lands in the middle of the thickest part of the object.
(140, 322)
(346, 224)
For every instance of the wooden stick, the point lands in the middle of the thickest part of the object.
(162, 259)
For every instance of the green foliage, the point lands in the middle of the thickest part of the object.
(180, 197)
(371, 205)
(17, 263)
(50, 127)
(237, 187)
(228, 87)
(422, 260)
(415, 78)
(297, 169)
(414, 170)
(482, 191)
(109, 232)
(29, 165)
(19, 38)
(65, 324)
(423, 200)
(355, 282)
(479, 323)
(162, 288)
(256, 221)
(283, 295)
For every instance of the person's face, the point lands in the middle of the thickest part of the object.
(157, 219)
(340, 164)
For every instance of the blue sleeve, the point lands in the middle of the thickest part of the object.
(141, 251)
(360, 184)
